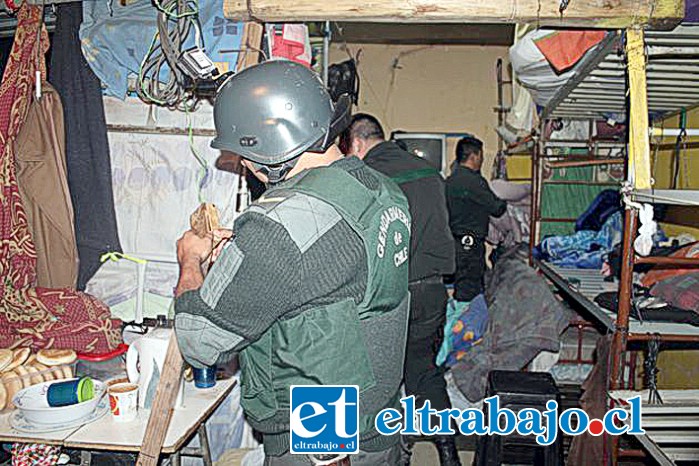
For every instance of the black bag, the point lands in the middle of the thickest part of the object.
(343, 79)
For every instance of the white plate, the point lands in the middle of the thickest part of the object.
(20, 424)
(32, 402)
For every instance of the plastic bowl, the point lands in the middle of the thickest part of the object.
(32, 402)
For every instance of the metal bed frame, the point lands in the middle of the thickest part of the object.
(614, 77)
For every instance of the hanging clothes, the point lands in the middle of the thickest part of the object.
(32, 316)
(87, 149)
(43, 184)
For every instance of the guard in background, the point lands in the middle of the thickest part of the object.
(471, 203)
(431, 257)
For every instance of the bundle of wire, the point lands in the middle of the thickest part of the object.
(175, 20)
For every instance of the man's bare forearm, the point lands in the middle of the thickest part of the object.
(191, 277)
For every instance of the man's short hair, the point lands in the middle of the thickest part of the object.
(468, 146)
(363, 126)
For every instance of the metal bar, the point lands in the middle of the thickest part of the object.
(498, 75)
(580, 183)
(558, 220)
(664, 337)
(675, 261)
(586, 163)
(536, 198)
(664, 132)
(160, 130)
(655, 451)
(621, 330)
(688, 197)
(326, 51)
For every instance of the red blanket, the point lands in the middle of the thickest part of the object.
(563, 49)
(30, 316)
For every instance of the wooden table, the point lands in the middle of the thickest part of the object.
(107, 434)
(672, 428)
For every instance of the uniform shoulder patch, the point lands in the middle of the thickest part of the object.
(304, 217)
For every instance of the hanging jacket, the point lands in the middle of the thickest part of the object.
(43, 184)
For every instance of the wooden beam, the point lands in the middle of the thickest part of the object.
(424, 34)
(251, 45)
(163, 404)
(639, 141)
(611, 14)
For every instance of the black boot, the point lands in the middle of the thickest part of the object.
(446, 448)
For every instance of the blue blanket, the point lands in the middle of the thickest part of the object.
(584, 249)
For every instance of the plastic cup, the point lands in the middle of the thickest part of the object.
(204, 378)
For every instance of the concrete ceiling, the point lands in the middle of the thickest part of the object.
(387, 33)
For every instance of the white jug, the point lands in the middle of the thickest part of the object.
(142, 358)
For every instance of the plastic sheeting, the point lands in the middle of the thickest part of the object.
(534, 71)
(156, 187)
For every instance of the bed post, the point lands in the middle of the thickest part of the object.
(536, 196)
(621, 331)
(638, 172)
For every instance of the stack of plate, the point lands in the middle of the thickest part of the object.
(34, 414)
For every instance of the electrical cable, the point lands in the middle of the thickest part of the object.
(174, 22)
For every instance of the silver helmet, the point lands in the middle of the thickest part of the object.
(273, 112)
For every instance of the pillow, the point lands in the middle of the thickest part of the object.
(681, 291)
(661, 273)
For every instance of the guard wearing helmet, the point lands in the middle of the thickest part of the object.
(313, 288)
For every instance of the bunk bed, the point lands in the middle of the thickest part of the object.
(655, 75)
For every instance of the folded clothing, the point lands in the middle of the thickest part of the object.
(657, 274)
(652, 311)
(681, 291)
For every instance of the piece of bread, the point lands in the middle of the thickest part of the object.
(57, 372)
(44, 371)
(12, 384)
(18, 357)
(3, 396)
(67, 372)
(34, 376)
(30, 359)
(23, 374)
(5, 358)
(204, 220)
(56, 357)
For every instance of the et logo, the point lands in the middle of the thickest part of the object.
(324, 419)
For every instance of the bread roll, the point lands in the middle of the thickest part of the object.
(30, 360)
(44, 371)
(12, 385)
(18, 357)
(57, 372)
(5, 358)
(23, 374)
(56, 357)
(67, 372)
(3, 396)
(34, 376)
